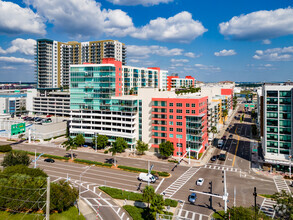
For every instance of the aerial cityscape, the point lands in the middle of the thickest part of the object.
(146, 109)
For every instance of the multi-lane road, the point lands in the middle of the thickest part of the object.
(240, 179)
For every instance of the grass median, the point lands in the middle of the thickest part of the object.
(138, 170)
(123, 194)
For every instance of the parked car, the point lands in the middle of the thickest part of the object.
(214, 158)
(224, 137)
(199, 182)
(49, 160)
(192, 198)
(230, 136)
(146, 177)
(222, 157)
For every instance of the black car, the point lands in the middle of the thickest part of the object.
(156, 177)
(214, 158)
(224, 137)
(230, 136)
(69, 155)
(49, 160)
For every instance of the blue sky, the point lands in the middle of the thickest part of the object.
(211, 40)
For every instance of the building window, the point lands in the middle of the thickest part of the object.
(179, 110)
(179, 117)
(187, 111)
(193, 111)
(171, 135)
(193, 105)
(170, 104)
(170, 129)
(179, 104)
(179, 136)
(187, 104)
(171, 110)
(170, 116)
(170, 122)
(179, 153)
(179, 123)
(179, 129)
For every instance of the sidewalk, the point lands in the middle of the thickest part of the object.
(86, 210)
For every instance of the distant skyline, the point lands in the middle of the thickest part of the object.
(210, 40)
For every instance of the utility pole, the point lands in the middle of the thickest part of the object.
(48, 199)
(290, 157)
(29, 135)
(255, 195)
(96, 141)
(234, 196)
(211, 192)
(225, 196)
(189, 155)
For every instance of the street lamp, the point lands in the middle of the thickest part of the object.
(290, 157)
(80, 185)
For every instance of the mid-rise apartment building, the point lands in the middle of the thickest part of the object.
(276, 122)
(12, 103)
(176, 82)
(54, 58)
(100, 104)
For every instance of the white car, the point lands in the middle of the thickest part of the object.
(199, 182)
(146, 177)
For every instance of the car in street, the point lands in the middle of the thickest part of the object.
(220, 143)
(222, 157)
(146, 177)
(214, 158)
(49, 160)
(192, 198)
(199, 182)
(69, 155)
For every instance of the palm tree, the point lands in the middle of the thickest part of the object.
(246, 97)
(224, 114)
(70, 144)
(214, 130)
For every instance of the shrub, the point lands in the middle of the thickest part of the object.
(47, 139)
(93, 162)
(121, 194)
(22, 169)
(171, 202)
(135, 212)
(173, 161)
(44, 155)
(5, 148)
(106, 151)
(134, 169)
(13, 158)
(58, 136)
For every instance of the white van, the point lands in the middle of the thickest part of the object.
(220, 143)
(146, 177)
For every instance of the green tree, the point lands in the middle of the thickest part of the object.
(224, 114)
(118, 146)
(236, 213)
(15, 158)
(166, 149)
(247, 97)
(157, 205)
(141, 147)
(23, 169)
(148, 194)
(234, 102)
(71, 145)
(214, 130)
(79, 140)
(102, 141)
(62, 196)
(284, 207)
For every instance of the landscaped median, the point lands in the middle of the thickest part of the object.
(123, 194)
(139, 170)
(96, 163)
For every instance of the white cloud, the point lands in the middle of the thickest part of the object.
(17, 20)
(81, 18)
(145, 51)
(8, 67)
(260, 25)
(134, 61)
(180, 28)
(274, 54)
(266, 41)
(20, 45)
(177, 64)
(179, 60)
(225, 53)
(191, 55)
(139, 2)
(15, 60)
(207, 68)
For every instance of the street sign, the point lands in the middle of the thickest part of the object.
(17, 128)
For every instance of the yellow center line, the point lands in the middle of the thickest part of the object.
(236, 148)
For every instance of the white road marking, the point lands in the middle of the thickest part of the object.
(159, 185)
